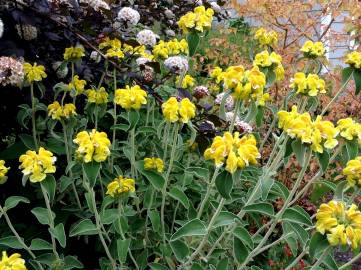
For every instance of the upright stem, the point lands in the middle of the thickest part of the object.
(33, 120)
(208, 192)
(132, 145)
(164, 189)
(337, 94)
(280, 213)
(120, 213)
(205, 238)
(320, 259)
(295, 261)
(99, 223)
(68, 157)
(51, 220)
(165, 140)
(20, 240)
(235, 113)
(115, 119)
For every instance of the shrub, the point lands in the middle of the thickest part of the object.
(154, 164)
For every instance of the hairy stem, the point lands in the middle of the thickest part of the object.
(33, 120)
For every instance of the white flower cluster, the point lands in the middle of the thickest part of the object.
(95, 56)
(142, 61)
(147, 37)
(176, 64)
(11, 71)
(97, 5)
(129, 16)
(229, 103)
(26, 31)
(240, 125)
(1, 28)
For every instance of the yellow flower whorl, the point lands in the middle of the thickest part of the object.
(130, 97)
(120, 185)
(182, 111)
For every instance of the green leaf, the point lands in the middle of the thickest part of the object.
(28, 141)
(13, 201)
(133, 118)
(199, 172)
(357, 79)
(122, 249)
(157, 266)
(340, 189)
(65, 182)
(266, 185)
(299, 149)
(193, 42)
(243, 235)
(177, 194)
(123, 127)
(224, 218)
(300, 231)
(318, 244)
(84, 227)
(330, 262)
(71, 262)
(222, 264)
(150, 130)
(155, 219)
(11, 242)
(323, 160)
(259, 116)
(270, 77)
(239, 249)
(261, 208)
(280, 189)
(224, 184)
(154, 178)
(346, 74)
(180, 249)
(295, 215)
(40, 244)
(194, 227)
(91, 170)
(352, 149)
(59, 233)
(108, 216)
(42, 215)
(49, 184)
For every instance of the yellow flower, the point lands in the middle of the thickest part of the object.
(14, 262)
(265, 38)
(352, 171)
(319, 133)
(110, 43)
(154, 164)
(354, 59)
(92, 146)
(164, 49)
(34, 73)
(74, 53)
(97, 96)
(273, 60)
(187, 82)
(199, 20)
(217, 74)
(3, 171)
(37, 165)
(311, 49)
(77, 85)
(120, 185)
(310, 85)
(245, 85)
(174, 111)
(236, 152)
(349, 129)
(341, 226)
(56, 111)
(130, 97)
